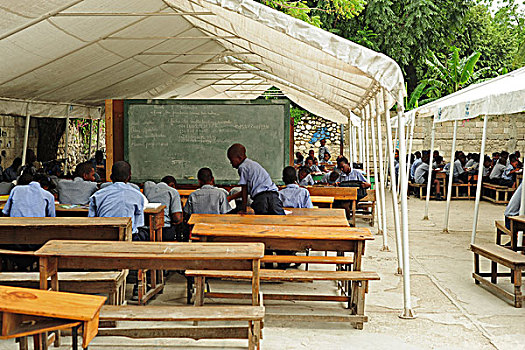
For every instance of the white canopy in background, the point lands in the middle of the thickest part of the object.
(502, 95)
(85, 51)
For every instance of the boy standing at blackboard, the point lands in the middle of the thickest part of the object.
(256, 181)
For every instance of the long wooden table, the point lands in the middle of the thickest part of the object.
(154, 218)
(25, 312)
(317, 212)
(41, 230)
(287, 220)
(149, 255)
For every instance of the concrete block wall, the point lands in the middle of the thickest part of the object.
(311, 129)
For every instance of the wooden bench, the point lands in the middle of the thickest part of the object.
(496, 193)
(366, 207)
(112, 283)
(289, 220)
(501, 230)
(253, 315)
(355, 300)
(470, 193)
(506, 257)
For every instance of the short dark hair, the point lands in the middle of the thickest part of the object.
(342, 160)
(513, 158)
(303, 169)
(205, 175)
(169, 180)
(504, 154)
(236, 150)
(120, 171)
(334, 175)
(25, 178)
(289, 175)
(44, 181)
(417, 154)
(17, 162)
(309, 158)
(83, 168)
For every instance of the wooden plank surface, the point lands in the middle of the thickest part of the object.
(518, 219)
(182, 313)
(91, 276)
(152, 250)
(50, 304)
(63, 209)
(185, 193)
(289, 232)
(63, 222)
(322, 199)
(496, 252)
(339, 193)
(290, 275)
(287, 220)
(316, 212)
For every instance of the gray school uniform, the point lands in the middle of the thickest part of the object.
(207, 200)
(307, 181)
(255, 177)
(419, 174)
(513, 208)
(168, 196)
(497, 171)
(76, 191)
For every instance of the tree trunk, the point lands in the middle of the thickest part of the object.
(411, 77)
(50, 131)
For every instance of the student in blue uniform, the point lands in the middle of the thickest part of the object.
(256, 181)
(305, 179)
(349, 174)
(165, 193)
(513, 208)
(292, 195)
(120, 199)
(78, 190)
(208, 199)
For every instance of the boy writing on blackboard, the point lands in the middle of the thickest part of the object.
(256, 181)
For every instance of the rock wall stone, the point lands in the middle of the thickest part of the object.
(309, 132)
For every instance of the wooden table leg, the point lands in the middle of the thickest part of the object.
(255, 282)
(518, 297)
(354, 209)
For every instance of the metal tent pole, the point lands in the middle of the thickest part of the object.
(377, 184)
(408, 313)
(522, 208)
(366, 111)
(90, 138)
(380, 180)
(98, 134)
(409, 162)
(26, 135)
(430, 160)
(450, 176)
(360, 135)
(480, 180)
(66, 140)
(354, 139)
(395, 205)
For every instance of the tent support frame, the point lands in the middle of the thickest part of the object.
(480, 180)
(430, 161)
(450, 176)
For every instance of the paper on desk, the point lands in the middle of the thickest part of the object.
(287, 212)
(152, 205)
(232, 204)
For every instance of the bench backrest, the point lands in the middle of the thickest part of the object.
(41, 230)
(339, 193)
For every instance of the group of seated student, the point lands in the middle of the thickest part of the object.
(315, 165)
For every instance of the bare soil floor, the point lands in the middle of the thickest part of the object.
(452, 312)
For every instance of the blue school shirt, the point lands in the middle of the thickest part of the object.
(506, 175)
(116, 201)
(307, 181)
(30, 201)
(414, 167)
(255, 177)
(208, 200)
(166, 195)
(294, 196)
(353, 175)
(513, 208)
(76, 191)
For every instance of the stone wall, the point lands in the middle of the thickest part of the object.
(12, 140)
(310, 130)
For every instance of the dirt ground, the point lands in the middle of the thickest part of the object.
(452, 312)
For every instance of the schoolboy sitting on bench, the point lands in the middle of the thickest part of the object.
(292, 195)
(208, 199)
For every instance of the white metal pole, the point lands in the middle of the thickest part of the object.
(407, 310)
(380, 180)
(450, 176)
(522, 208)
(355, 131)
(90, 138)
(409, 162)
(430, 161)
(67, 140)
(98, 133)
(395, 205)
(480, 180)
(377, 183)
(360, 135)
(26, 135)
(367, 142)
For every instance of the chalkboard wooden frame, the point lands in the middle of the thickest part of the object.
(287, 123)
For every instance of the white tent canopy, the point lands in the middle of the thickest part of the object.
(502, 95)
(85, 51)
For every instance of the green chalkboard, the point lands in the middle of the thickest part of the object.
(178, 137)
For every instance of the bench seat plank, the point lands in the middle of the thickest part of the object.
(299, 259)
(182, 313)
(290, 275)
(499, 254)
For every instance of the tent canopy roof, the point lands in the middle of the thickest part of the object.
(502, 95)
(85, 51)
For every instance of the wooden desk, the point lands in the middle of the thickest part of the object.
(317, 212)
(322, 200)
(339, 193)
(286, 220)
(185, 193)
(295, 238)
(517, 223)
(154, 218)
(28, 312)
(148, 255)
(41, 230)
